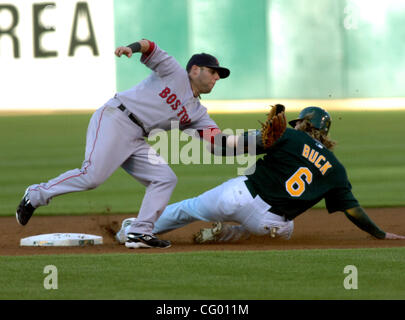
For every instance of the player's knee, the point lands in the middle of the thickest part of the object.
(93, 182)
(92, 185)
(169, 181)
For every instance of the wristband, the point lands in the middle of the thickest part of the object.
(135, 47)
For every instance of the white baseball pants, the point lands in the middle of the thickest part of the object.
(228, 202)
(113, 140)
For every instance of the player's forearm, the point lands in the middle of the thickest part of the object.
(140, 46)
(233, 145)
(359, 217)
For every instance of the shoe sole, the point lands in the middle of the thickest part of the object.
(16, 213)
(273, 232)
(18, 220)
(200, 239)
(141, 245)
(16, 216)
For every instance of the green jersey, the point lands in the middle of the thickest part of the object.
(296, 173)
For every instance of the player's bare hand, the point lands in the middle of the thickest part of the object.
(123, 50)
(393, 236)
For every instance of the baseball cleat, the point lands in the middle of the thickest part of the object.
(209, 235)
(273, 232)
(120, 236)
(24, 210)
(139, 240)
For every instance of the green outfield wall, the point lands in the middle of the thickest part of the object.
(294, 49)
(59, 54)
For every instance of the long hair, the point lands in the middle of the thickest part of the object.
(306, 126)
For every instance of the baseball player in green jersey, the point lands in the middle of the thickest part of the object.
(296, 172)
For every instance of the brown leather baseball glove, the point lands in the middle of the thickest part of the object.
(274, 126)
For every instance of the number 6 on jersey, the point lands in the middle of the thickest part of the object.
(295, 186)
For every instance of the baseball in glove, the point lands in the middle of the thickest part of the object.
(274, 126)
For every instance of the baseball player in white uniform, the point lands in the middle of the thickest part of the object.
(116, 136)
(230, 201)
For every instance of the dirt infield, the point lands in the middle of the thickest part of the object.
(315, 229)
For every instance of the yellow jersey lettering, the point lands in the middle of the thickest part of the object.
(305, 152)
(325, 167)
(317, 159)
(312, 157)
(317, 162)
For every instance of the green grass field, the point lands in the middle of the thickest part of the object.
(37, 148)
(225, 275)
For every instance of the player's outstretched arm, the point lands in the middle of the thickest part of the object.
(359, 217)
(253, 142)
(139, 46)
(393, 236)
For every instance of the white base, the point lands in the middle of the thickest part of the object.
(61, 240)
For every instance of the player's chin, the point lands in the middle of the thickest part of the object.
(207, 90)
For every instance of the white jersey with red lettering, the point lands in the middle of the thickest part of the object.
(165, 96)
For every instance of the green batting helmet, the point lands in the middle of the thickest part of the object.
(318, 117)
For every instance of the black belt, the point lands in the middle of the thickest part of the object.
(132, 118)
(253, 192)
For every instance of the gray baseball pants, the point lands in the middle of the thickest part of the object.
(113, 140)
